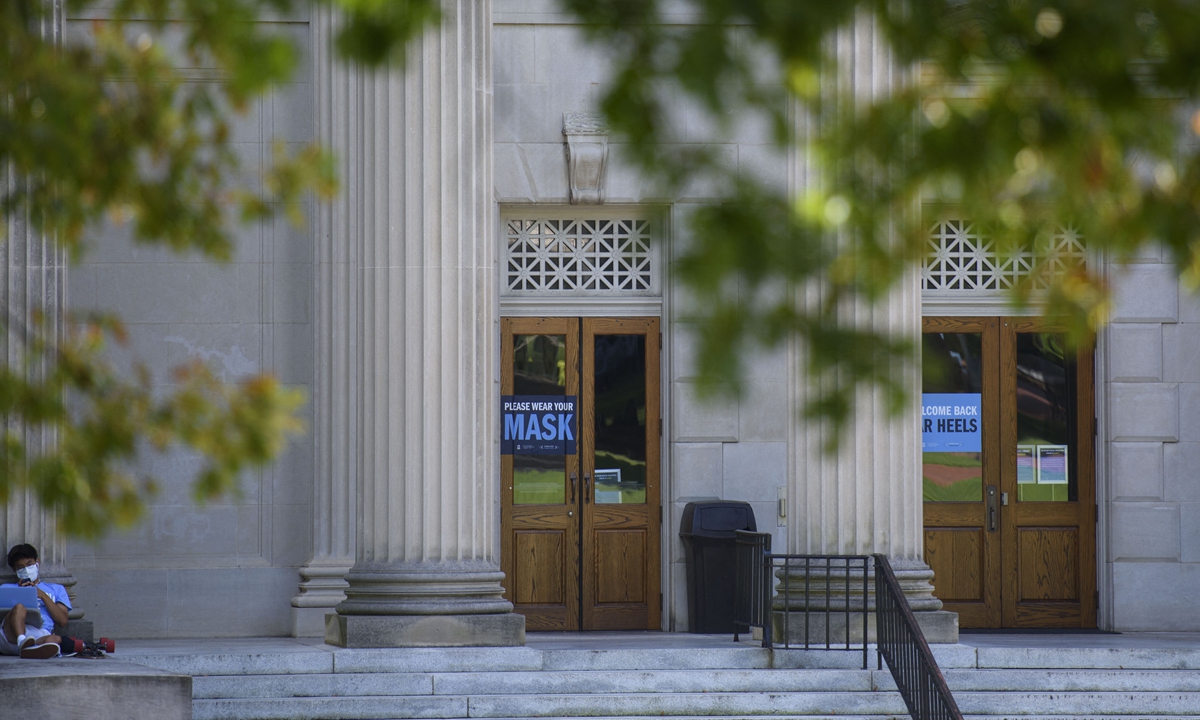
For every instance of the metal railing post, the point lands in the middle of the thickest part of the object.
(899, 640)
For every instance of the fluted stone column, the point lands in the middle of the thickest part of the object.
(34, 282)
(337, 86)
(866, 497)
(426, 570)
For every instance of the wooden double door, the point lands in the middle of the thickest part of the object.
(1008, 430)
(580, 520)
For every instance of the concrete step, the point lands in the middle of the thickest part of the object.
(534, 683)
(333, 708)
(1078, 704)
(1025, 705)
(866, 717)
(642, 705)
(673, 704)
(1090, 658)
(745, 681)
(681, 681)
(324, 659)
(233, 687)
(734, 657)
(567, 706)
(344, 712)
(811, 693)
(1074, 680)
(838, 717)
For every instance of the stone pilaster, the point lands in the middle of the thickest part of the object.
(866, 497)
(34, 282)
(426, 570)
(337, 86)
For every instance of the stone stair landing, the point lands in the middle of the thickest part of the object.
(663, 675)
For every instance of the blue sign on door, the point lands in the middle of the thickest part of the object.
(951, 422)
(537, 424)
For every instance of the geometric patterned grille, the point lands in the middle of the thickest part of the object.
(579, 257)
(962, 259)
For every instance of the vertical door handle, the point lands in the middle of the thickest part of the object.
(587, 488)
(992, 507)
(573, 481)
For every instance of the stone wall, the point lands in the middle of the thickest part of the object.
(227, 568)
(730, 450)
(1151, 521)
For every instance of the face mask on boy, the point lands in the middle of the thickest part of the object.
(29, 573)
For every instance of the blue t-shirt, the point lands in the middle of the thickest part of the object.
(57, 592)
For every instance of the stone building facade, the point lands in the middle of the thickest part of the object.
(386, 309)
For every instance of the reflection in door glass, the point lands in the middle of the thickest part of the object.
(951, 363)
(620, 419)
(539, 368)
(1046, 450)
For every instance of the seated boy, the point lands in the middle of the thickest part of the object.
(28, 641)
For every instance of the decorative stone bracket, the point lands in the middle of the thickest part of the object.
(587, 156)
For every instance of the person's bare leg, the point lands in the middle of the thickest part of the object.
(14, 623)
(44, 647)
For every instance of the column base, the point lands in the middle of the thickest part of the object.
(80, 629)
(439, 588)
(309, 621)
(395, 631)
(322, 587)
(939, 627)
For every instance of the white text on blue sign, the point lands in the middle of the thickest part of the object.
(950, 422)
(537, 424)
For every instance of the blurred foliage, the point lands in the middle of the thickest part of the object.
(129, 121)
(1019, 115)
(1022, 116)
(103, 419)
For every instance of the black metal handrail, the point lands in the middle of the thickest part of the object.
(899, 639)
(901, 642)
(833, 587)
(751, 583)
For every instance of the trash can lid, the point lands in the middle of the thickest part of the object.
(716, 519)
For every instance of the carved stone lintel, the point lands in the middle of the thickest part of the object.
(587, 156)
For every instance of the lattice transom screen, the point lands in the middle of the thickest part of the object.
(963, 260)
(579, 257)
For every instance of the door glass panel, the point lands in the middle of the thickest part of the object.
(951, 365)
(620, 419)
(1046, 417)
(539, 368)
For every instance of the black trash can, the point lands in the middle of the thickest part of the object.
(708, 531)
